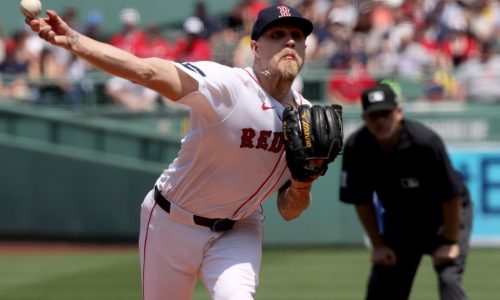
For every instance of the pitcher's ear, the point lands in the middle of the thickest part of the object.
(254, 47)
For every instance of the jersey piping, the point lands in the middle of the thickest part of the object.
(263, 183)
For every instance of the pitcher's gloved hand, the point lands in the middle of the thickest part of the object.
(312, 134)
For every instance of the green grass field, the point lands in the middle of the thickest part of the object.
(293, 274)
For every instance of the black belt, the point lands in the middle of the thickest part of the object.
(214, 224)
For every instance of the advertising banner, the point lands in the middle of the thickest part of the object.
(481, 170)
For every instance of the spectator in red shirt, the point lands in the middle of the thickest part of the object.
(155, 45)
(131, 38)
(459, 46)
(255, 6)
(192, 47)
(345, 86)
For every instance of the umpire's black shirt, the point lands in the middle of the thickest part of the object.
(411, 183)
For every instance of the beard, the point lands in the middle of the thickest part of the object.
(289, 69)
(289, 73)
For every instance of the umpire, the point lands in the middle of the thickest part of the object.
(408, 198)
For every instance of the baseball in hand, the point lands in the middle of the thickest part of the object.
(31, 8)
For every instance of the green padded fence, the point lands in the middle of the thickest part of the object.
(53, 191)
(107, 134)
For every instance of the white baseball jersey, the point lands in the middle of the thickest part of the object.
(232, 159)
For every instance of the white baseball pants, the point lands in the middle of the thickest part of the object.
(174, 253)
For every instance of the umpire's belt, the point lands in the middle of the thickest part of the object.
(214, 224)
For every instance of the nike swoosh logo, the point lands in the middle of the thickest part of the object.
(265, 107)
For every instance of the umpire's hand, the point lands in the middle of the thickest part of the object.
(445, 254)
(383, 256)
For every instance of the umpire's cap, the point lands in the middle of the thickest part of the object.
(279, 14)
(378, 98)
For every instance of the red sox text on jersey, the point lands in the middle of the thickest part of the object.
(249, 140)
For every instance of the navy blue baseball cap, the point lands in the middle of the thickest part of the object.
(279, 14)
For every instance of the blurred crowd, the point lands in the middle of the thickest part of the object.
(434, 50)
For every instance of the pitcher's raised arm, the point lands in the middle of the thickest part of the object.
(155, 73)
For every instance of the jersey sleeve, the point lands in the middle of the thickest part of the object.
(217, 92)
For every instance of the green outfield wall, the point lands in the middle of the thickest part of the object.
(65, 193)
(82, 175)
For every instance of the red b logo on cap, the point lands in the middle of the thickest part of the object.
(284, 11)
